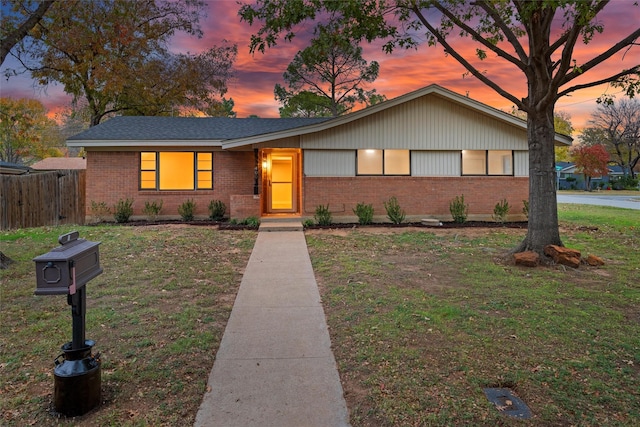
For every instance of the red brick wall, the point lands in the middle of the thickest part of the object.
(114, 175)
(244, 206)
(418, 196)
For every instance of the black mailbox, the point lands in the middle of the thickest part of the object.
(67, 268)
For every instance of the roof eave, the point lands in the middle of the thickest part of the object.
(143, 143)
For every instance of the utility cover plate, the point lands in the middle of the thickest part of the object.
(507, 403)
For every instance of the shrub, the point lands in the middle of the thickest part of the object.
(217, 209)
(152, 209)
(625, 183)
(394, 212)
(501, 210)
(459, 209)
(187, 210)
(252, 221)
(525, 208)
(99, 211)
(308, 223)
(323, 215)
(364, 213)
(123, 210)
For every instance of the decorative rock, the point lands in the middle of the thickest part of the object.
(562, 255)
(527, 259)
(431, 222)
(594, 260)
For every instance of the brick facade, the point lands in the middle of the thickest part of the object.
(114, 175)
(418, 196)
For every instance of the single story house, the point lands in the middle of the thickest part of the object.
(424, 148)
(570, 179)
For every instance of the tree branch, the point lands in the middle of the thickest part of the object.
(21, 32)
(609, 79)
(474, 71)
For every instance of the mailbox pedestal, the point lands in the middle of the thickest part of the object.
(65, 270)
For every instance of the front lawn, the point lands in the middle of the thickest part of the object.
(421, 321)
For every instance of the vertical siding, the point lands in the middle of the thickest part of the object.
(435, 163)
(521, 163)
(329, 162)
(426, 123)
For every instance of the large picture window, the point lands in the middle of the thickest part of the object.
(383, 162)
(487, 162)
(176, 170)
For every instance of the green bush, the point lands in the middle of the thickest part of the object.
(217, 209)
(152, 209)
(364, 213)
(123, 210)
(323, 215)
(394, 212)
(308, 223)
(625, 183)
(99, 211)
(187, 210)
(525, 208)
(459, 209)
(501, 210)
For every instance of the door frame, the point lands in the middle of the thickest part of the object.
(265, 161)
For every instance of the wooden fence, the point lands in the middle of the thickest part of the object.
(43, 198)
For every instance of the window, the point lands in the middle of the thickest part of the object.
(172, 170)
(482, 162)
(383, 162)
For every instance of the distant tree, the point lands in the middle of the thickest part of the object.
(18, 18)
(617, 126)
(223, 108)
(113, 54)
(26, 133)
(591, 161)
(332, 68)
(303, 104)
(562, 124)
(538, 41)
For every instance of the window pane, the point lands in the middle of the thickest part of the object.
(148, 161)
(204, 161)
(176, 171)
(473, 162)
(148, 179)
(204, 180)
(369, 162)
(396, 162)
(500, 162)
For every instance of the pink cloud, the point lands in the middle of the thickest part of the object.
(400, 72)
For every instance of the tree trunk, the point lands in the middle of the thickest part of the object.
(543, 208)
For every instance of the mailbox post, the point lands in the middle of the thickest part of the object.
(66, 270)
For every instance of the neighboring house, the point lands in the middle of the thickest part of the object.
(7, 168)
(570, 179)
(424, 148)
(60, 163)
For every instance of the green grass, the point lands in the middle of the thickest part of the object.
(422, 321)
(157, 314)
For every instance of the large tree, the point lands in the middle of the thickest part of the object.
(26, 133)
(617, 126)
(18, 18)
(331, 67)
(536, 40)
(114, 54)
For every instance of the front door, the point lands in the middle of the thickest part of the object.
(282, 181)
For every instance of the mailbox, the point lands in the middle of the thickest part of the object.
(66, 270)
(68, 267)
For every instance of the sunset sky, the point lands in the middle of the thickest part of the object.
(400, 72)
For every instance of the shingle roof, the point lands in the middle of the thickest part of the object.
(133, 128)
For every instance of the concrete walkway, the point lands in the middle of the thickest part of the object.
(275, 367)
